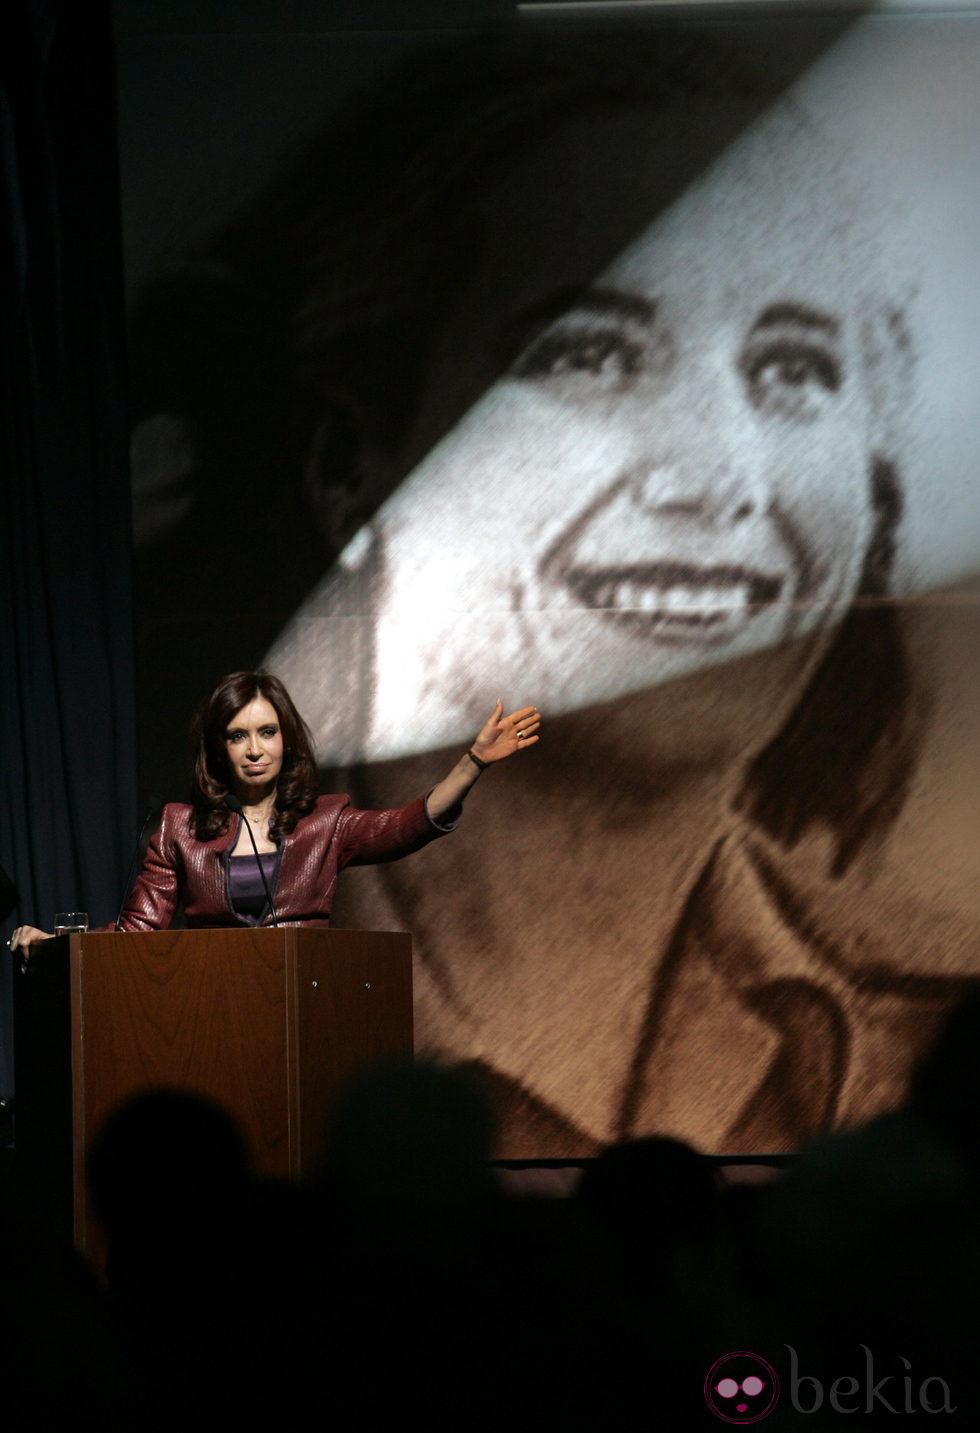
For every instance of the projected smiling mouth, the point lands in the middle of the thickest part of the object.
(677, 601)
(673, 569)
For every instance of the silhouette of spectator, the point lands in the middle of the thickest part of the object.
(873, 1243)
(651, 1193)
(657, 1204)
(409, 1135)
(945, 1087)
(201, 1263)
(59, 1360)
(487, 1308)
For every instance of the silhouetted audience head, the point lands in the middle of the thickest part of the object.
(166, 1155)
(410, 1134)
(945, 1089)
(652, 1190)
(205, 1263)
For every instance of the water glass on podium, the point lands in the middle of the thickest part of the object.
(70, 923)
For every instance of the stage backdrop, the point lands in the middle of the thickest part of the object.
(627, 369)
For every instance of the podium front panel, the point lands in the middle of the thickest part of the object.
(268, 1024)
(353, 1006)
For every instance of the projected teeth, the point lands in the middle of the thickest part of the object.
(705, 604)
(677, 598)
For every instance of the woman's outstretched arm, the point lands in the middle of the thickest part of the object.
(499, 737)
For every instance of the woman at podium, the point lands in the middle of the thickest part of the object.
(257, 845)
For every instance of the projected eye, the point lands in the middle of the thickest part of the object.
(586, 357)
(791, 379)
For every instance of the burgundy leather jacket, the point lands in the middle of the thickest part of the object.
(180, 868)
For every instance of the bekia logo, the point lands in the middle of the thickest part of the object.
(742, 1387)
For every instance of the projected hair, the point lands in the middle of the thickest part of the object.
(847, 764)
(296, 791)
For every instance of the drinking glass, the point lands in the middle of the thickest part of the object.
(70, 923)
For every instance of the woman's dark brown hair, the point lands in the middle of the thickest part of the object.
(296, 791)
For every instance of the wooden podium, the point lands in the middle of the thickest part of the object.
(267, 1023)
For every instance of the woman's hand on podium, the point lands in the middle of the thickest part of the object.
(24, 937)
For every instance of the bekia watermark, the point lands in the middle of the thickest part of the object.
(743, 1387)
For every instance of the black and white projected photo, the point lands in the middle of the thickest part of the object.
(628, 370)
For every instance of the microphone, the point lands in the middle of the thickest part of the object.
(153, 809)
(233, 804)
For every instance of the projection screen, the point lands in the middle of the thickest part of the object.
(627, 369)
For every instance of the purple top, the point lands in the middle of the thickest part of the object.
(245, 885)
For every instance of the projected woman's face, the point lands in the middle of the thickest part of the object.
(731, 493)
(676, 471)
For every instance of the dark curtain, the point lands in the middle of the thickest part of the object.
(68, 799)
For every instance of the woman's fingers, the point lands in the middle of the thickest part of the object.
(495, 719)
(521, 724)
(25, 936)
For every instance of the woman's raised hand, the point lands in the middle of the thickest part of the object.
(500, 736)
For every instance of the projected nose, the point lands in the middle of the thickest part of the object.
(712, 495)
